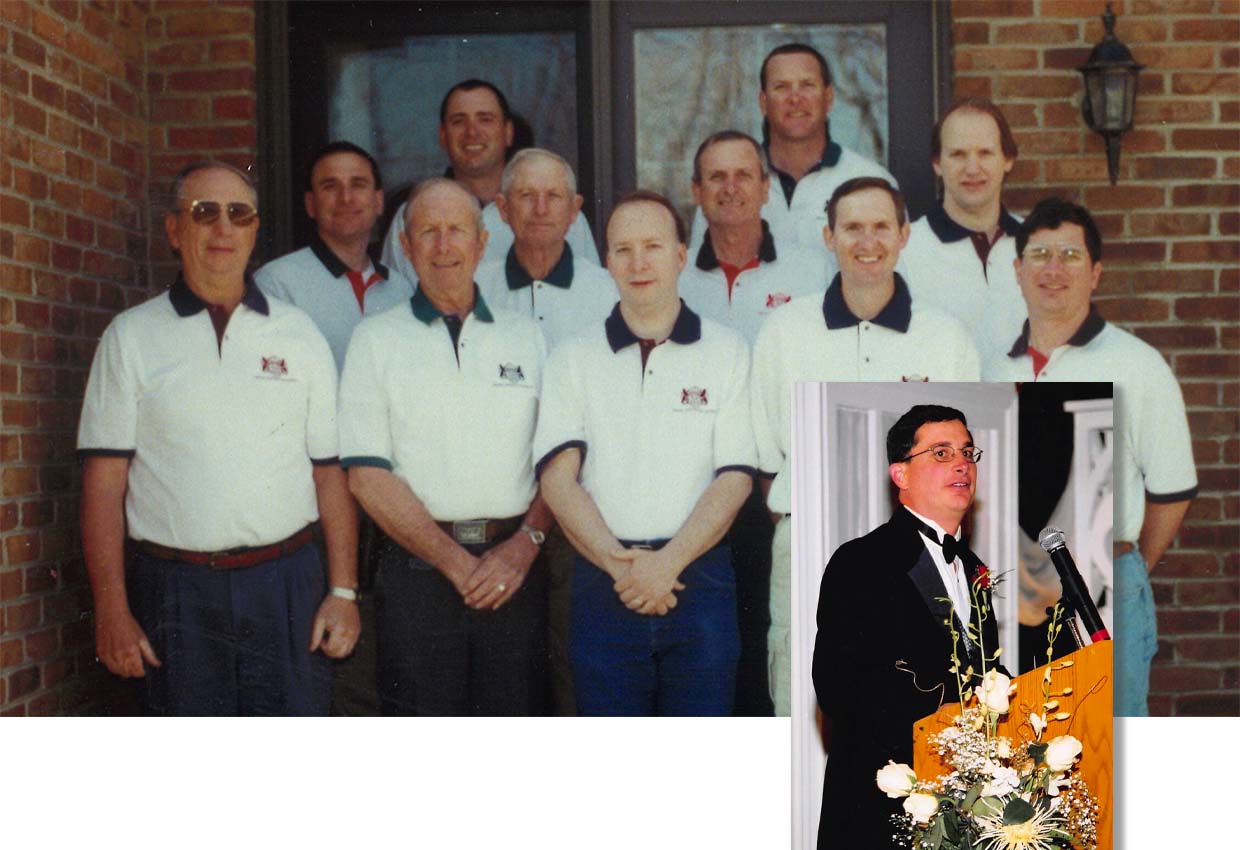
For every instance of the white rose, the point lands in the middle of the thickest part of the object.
(921, 806)
(896, 780)
(1061, 752)
(993, 692)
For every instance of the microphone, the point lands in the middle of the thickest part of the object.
(1051, 540)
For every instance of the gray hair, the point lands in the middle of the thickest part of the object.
(730, 136)
(178, 182)
(434, 182)
(525, 154)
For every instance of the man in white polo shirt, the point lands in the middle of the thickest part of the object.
(437, 411)
(795, 98)
(743, 270)
(208, 436)
(865, 328)
(541, 276)
(333, 278)
(1058, 265)
(959, 254)
(475, 131)
(645, 456)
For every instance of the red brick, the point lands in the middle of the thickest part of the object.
(13, 77)
(29, 115)
(1210, 705)
(965, 85)
(27, 49)
(1124, 197)
(1038, 86)
(1174, 167)
(1183, 677)
(1210, 140)
(1226, 251)
(1031, 142)
(16, 13)
(1229, 223)
(179, 54)
(10, 653)
(977, 32)
(1188, 565)
(992, 9)
(1037, 33)
(48, 92)
(1178, 337)
(30, 249)
(1173, 111)
(1126, 253)
(1207, 365)
(235, 108)
(1169, 224)
(42, 645)
(209, 22)
(997, 58)
(1216, 28)
(1134, 310)
(223, 79)
(22, 617)
(1201, 83)
(240, 51)
(22, 683)
(14, 211)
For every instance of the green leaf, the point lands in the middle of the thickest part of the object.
(951, 825)
(1017, 811)
(971, 798)
(934, 835)
(987, 806)
(1037, 751)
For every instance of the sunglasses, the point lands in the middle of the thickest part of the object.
(208, 212)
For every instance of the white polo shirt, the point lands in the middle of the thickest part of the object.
(652, 440)
(499, 240)
(220, 436)
(782, 274)
(1153, 451)
(575, 295)
(316, 280)
(457, 431)
(819, 339)
(944, 271)
(801, 219)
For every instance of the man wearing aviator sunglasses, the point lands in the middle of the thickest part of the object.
(1058, 267)
(883, 614)
(208, 436)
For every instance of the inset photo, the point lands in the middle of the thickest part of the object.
(953, 605)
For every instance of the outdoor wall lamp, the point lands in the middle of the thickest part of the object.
(1110, 91)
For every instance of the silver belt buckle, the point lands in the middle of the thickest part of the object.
(470, 530)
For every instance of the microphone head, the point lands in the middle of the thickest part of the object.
(1051, 538)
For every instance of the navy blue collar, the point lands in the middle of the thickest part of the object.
(187, 303)
(707, 261)
(1085, 334)
(426, 312)
(830, 157)
(561, 274)
(686, 330)
(895, 315)
(948, 230)
(334, 265)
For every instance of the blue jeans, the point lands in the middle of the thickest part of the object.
(232, 642)
(681, 664)
(1136, 635)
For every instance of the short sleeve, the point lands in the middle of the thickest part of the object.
(110, 409)
(734, 444)
(1161, 441)
(561, 410)
(322, 436)
(271, 284)
(768, 399)
(365, 429)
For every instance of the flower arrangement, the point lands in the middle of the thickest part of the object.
(1001, 794)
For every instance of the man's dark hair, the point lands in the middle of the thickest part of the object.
(470, 85)
(1007, 142)
(795, 47)
(860, 184)
(645, 195)
(728, 136)
(1049, 214)
(903, 435)
(341, 147)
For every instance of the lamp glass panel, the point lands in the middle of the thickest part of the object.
(1119, 86)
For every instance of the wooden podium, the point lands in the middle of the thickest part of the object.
(1091, 707)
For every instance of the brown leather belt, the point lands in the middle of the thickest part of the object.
(230, 559)
(480, 531)
(1121, 547)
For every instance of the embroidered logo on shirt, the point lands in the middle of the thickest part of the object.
(694, 397)
(914, 379)
(511, 373)
(776, 299)
(275, 366)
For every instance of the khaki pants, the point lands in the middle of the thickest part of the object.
(779, 639)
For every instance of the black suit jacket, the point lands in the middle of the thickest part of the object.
(881, 662)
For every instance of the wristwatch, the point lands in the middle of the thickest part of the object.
(535, 536)
(346, 593)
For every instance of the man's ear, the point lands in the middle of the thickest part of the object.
(899, 475)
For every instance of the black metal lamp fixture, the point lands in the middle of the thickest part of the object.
(1110, 91)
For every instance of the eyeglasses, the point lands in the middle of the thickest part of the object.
(208, 212)
(1041, 255)
(945, 454)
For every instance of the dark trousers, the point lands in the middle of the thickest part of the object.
(750, 542)
(680, 664)
(232, 642)
(439, 657)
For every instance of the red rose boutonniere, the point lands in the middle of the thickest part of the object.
(982, 579)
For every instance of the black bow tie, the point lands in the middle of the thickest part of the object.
(950, 545)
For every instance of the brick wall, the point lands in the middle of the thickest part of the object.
(1170, 226)
(98, 104)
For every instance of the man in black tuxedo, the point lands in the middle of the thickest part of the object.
(884, 641)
